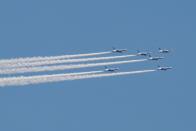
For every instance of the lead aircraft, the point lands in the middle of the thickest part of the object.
(163, 68)
(163, 50)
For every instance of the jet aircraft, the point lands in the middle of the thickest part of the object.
(119, 50)
(163, 50)
(111, 69)
(163, 68)
(155, 58)
(143, 53)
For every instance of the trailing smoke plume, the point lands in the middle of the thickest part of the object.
(16, 81)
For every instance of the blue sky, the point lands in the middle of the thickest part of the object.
(155, 101)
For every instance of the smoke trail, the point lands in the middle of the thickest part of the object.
(8, 81)
(63, 67)
(12, 79)
(108, 74)
(46, 58)
(59, 61)
(16, 81)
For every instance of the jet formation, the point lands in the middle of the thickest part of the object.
(144, 54)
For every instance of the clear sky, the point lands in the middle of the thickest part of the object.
(157, 101)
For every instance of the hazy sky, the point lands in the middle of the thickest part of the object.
(155, 101)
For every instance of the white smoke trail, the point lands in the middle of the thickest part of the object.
(63, 67)
(18, 78)
(60, 61)
(46, 58)
(108, 74)
(30, 79)
(17, 81)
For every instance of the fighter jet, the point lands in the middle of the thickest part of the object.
(163, 50)
(143, 53)
(155, 58)
(163, 68)
(119, 50)
(111, 69)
